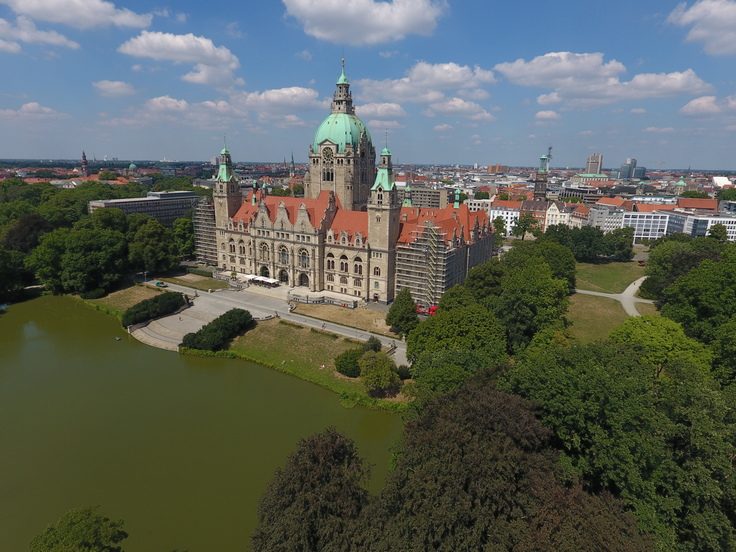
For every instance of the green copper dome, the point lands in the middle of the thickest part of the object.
(341, 129)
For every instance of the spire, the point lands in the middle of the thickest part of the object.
(385, 174)
(224, 145)
(342, 101)
(225, 172)
(407, 197)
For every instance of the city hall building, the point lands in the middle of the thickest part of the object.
(350, 234)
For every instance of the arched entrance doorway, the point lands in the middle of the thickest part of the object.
(284, 277)
(264, 272)
(304, 280)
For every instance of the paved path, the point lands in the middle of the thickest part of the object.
(628, 298)
(262, 303)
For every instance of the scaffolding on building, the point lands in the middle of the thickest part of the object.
(421, 265)
(205, 238)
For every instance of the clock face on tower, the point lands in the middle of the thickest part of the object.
(327, 153)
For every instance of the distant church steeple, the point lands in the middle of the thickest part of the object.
(85, 165)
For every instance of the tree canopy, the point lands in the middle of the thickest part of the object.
(81, 530)
(402, 315)
(311, 501)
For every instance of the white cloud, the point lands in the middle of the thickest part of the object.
(584, 80)
(361, 22)
(279, 100)
(25, 30)
(659, 130)
(80, 14)
(460, 107)
(547, 116)
(713, 23)
(384, 125)
(31, 111)
(709, 105)
(426, 83)
(638, 111)
(9, 47)
(306, 55)
(444, 128)
(114, 89)
(388, 53)
(380, 111)
(232, 30)
(213, 65)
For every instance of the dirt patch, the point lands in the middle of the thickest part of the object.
(362, 318)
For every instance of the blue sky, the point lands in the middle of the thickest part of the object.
(450, 81)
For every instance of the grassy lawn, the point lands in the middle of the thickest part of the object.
(119, 301)
(362, 318)
(202, 283)
(646, 308)
(308, 350)
(594, 317)
(608, 277)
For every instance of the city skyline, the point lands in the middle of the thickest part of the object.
(448, 82)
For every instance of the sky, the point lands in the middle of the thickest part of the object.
(440, 81)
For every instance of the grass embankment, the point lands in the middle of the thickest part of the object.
(593, 317)
(309, 355)
(117, 302)
(362, 318)
(646, 308)
(607, 277)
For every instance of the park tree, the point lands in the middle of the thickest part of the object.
(482, 194)
(81, 530)
(558, 257)
(718, 232)
(727, 194)
(524, 224)
(486, 279)
(11, 273)
(153, 248)
(703, 299)
(663, 445)
(402, 316)
(183, 233)
(93, 259)
(46, 260)
(504, 196)
(476, 472)
(24, 233)
(724, 352)
(378, 374)
(469, 328)
(346, 363)
(560, 233)
(587, 243)
(110, 218)
(619, 243)
(661, 343)
(499, 227)
(297, 189)
(107, 175)
(532, 300)
(458, 296)
(312, 500)
(695, 194)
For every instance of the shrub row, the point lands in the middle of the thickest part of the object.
(200, 272)
(217, 333)
(160, 305)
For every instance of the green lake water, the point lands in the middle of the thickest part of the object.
(179, 447)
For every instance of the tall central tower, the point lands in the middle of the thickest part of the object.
(540, 181)
(341, 157)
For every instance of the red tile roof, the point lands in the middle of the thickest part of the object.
(651, 207)
(697, 203)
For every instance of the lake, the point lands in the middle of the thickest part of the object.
(179, 447)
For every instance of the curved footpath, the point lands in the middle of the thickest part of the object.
(262, 303)
(628, 298)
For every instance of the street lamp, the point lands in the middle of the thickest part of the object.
(144, 276)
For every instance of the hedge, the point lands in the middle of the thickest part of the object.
(148, 309)
(219, 332)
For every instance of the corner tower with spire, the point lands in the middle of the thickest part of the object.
(226, 194)
(341, 157)
(384, 211)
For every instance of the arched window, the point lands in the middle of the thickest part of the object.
(330, 278)
(358, 266)
(344, 280)
(241, 247)
(303, 258)
(283, 255)
(264, 252)
(376, 271)
(330, 261)
(357, 282)
(232, 246)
